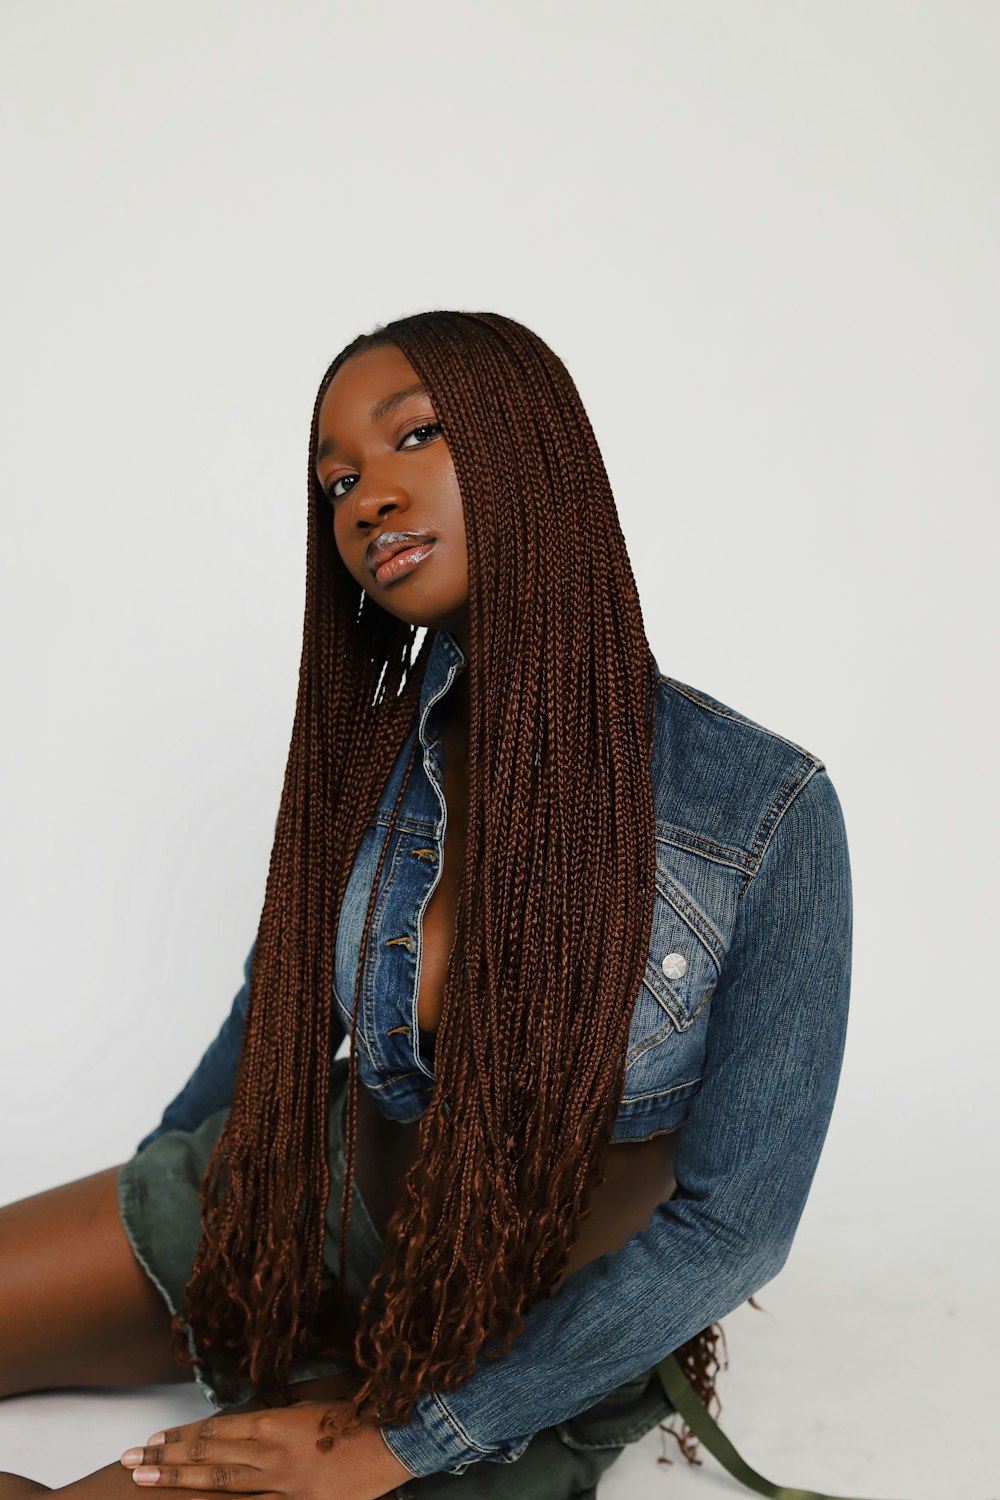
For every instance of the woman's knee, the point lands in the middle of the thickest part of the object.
(76, 1308)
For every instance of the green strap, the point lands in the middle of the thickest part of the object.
(682, 1397)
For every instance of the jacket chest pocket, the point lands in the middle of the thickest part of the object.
(666, 1044)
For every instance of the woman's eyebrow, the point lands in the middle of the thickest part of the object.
(377, 413)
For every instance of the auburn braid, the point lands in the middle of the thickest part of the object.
(558, 873)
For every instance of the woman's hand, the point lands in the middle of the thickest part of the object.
(297, 1452)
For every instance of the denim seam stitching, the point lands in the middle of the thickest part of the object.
(369, 1006)
(459, 1430)
(797, 778)
(732, 714)
(405, 823)
(126, 1195)
(653, 1040)
(695, 843)
(397, 1455)
(696, 920)
(674, 1088)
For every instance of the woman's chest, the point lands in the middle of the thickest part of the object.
(437, 936)
(412, 933)
(408, 870)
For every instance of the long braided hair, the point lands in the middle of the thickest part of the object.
(558, 875)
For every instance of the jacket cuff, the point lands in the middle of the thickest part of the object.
(433, 1441)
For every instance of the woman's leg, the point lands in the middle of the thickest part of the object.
(76, 1308)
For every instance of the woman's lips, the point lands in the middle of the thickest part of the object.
(403, 562)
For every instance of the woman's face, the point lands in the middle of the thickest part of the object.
(385, 468)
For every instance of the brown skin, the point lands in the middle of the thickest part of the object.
(394, 475)
(95, 1318)
(85, 1316)
(112, 1325)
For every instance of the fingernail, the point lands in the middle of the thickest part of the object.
(146, 1476)
(131, 1457)
(158, 1437)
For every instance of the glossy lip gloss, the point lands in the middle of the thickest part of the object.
(403, 562)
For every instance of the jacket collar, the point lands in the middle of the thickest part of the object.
(446, 654)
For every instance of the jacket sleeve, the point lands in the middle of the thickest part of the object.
(210, 1086)
(744, 1163)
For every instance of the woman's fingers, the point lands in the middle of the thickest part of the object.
(207, 1455)
(235, 1425)
(197, 1442)
(215, 1476)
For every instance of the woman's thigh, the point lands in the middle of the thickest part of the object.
(76, 1308)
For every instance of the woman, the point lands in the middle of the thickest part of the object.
(589, 932)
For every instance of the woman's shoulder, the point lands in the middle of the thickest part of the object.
(694, 708)
(723, 780)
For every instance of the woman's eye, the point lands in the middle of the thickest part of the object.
(331, 491)
(426, 427)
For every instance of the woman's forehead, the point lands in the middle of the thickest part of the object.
(373, 375)
(364, 397)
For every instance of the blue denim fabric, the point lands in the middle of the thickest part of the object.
(737, 1031)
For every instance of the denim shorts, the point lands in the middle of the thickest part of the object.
(158, 1201)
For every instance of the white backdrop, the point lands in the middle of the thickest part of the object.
(764, 241)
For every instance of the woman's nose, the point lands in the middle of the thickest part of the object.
(374, 499)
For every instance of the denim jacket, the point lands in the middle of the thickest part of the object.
(737, 1032)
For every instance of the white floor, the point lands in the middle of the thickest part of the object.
(879, 1383)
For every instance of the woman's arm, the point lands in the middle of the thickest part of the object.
(745, 1161)
(210, 1086)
